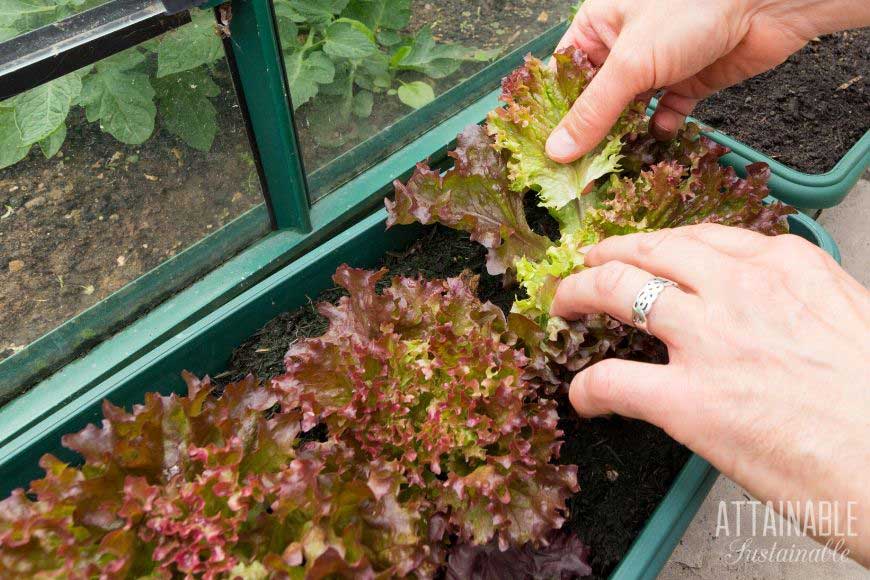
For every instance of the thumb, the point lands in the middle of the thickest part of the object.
(632, 389)
(613, 87)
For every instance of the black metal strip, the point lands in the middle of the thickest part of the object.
(44, 54)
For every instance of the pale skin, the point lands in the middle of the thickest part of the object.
(769, 372)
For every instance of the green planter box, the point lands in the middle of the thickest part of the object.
(205, 348)
(803, 190)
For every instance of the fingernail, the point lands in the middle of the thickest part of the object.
(585, 249)
(561, 144)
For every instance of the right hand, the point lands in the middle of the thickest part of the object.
(769, 367)
(690, 48)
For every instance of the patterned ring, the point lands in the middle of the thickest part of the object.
(645, 300)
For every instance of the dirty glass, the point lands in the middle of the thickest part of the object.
(19, 16)
(112, 170)
(356, 67)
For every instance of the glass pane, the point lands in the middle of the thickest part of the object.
(356, 67)
(19, 16)
(111, 170)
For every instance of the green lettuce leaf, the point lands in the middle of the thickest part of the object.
(537, 98)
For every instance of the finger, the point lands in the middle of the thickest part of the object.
(690, 256)
(632, 389)
(613, 287)
(670, 114)
(613, 87)
(583, 35)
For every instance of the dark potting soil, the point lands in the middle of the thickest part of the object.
(805, 113)
(625, 466)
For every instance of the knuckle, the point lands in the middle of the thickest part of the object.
(608, 277)
(599, 384)
(649, 243)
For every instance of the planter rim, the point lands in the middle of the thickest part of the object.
(804, 190)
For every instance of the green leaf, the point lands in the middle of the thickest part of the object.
(7, 32)
(306, 71)
(122, 101)
(185, 108)
(362, 104)
(39, 111)
(435, 60)
(12, 10)
(380, 14)
(288, 33)
(373, 73)
(388, 37)
(347, 38)
(416, 94)
(123, 61)
(12, 149)
(311, 12)
(52, 144)
(190, 46)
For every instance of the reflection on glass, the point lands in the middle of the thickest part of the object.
(357, 66)
(110, 170)
(19, 16)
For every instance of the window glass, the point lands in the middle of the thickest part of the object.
(18, 16)
(111, 170)
(356, 67)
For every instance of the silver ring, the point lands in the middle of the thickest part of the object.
(645, 300)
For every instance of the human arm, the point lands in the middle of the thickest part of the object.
(690, 48)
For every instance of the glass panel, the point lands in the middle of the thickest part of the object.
(111, 170)
(19, 16)
(356, 67)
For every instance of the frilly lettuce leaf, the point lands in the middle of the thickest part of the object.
(537, 98)
(424, 377)
(563, 557)
(474, 196)
(698, 190)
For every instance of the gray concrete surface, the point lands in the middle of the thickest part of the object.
(703, 555)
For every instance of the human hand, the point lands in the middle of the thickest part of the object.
(769, 372)
(690, 48)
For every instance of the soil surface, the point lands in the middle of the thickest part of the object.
(805, 113)
(626, 466)
(84, 223)
(488, 24)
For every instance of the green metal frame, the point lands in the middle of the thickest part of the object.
(256, 51)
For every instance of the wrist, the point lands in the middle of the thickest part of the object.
(812, 18)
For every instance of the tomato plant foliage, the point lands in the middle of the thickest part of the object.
(345, 51)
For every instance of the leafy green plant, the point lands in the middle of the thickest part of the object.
(169, 78)
(431, 440)
(347, 51)
(628, 183)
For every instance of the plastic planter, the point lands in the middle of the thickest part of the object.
(205, 347)
(803, 190)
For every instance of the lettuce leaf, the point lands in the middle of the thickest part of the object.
(537, 98)
(564, 556)
(474, 196)
(424, 377)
